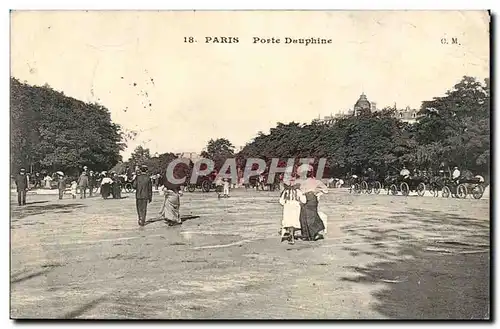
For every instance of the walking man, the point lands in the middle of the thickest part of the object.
(143, 194)
(22, 185)
(61, 184)
(83, 184)
(92, 182)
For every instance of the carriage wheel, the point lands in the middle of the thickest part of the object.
(357, 188)
(364, 187)
(128, 188)
(369, 190)
(477, 192)
(405, 189)
(445, 193)
(191, 188)
(205, 186)
(421, 189)
(394, 189)
(461, 191)
(376, 187)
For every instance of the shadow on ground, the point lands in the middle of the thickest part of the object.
(31, 210)
(429, 279)
(431, 286)
(158, 219)
(23, 276)
(83, 309)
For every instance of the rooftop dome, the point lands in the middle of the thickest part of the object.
(362, 102)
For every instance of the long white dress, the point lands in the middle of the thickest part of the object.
(291, 211)
(48, 182)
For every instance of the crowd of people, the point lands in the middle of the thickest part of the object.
(299, 196)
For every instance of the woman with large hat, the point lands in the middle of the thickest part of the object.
(311, 224)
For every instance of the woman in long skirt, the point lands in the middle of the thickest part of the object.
(116, 187)
(171, 205)
(106, 187)
(311, 223)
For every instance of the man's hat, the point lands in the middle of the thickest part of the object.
(23, 170)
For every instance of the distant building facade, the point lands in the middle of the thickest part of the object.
(364, 106)
(193, 156)
(407, 115)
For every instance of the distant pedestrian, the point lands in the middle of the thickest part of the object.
(22, 185)
(48, 182)
(456, 174)
(38, 180)
(116, 187)
(92, 182)
(61, 184)
(83, 184)
(74, 187)
(225, 186)
(143, 194)
(106, 184)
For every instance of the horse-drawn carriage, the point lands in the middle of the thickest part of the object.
(263, 183)
(370, 183)
(355, 184)
(462, 187)
(205, 183)
(406, 184)
(367, 182)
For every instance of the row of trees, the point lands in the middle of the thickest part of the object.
(452, 130)
(54, 132)
(50, 130)
(217, 150)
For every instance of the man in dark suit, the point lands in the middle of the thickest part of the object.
(143, 193)
(22, 185)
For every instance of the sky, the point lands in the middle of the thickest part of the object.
(178, 95)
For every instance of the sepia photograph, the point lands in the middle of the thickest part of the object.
(250, 165)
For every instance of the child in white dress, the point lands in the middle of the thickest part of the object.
(225, 186)
(290, 199)
(74, 186)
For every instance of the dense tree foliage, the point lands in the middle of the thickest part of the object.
(52, 131)
(55, 132)
(456, 128)
(453, 130)
(218, 150)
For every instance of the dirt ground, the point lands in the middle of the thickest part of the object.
(384, 257)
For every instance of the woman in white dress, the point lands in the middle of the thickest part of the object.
(48, 182)
(291, 199)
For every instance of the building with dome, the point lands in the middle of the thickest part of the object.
(364, 106)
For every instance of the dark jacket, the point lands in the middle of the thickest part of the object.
(143, 187)
(61, 184)
(21, 182)
(92, 180)
(83, 181)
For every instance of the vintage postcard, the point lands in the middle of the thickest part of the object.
(250, 165)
